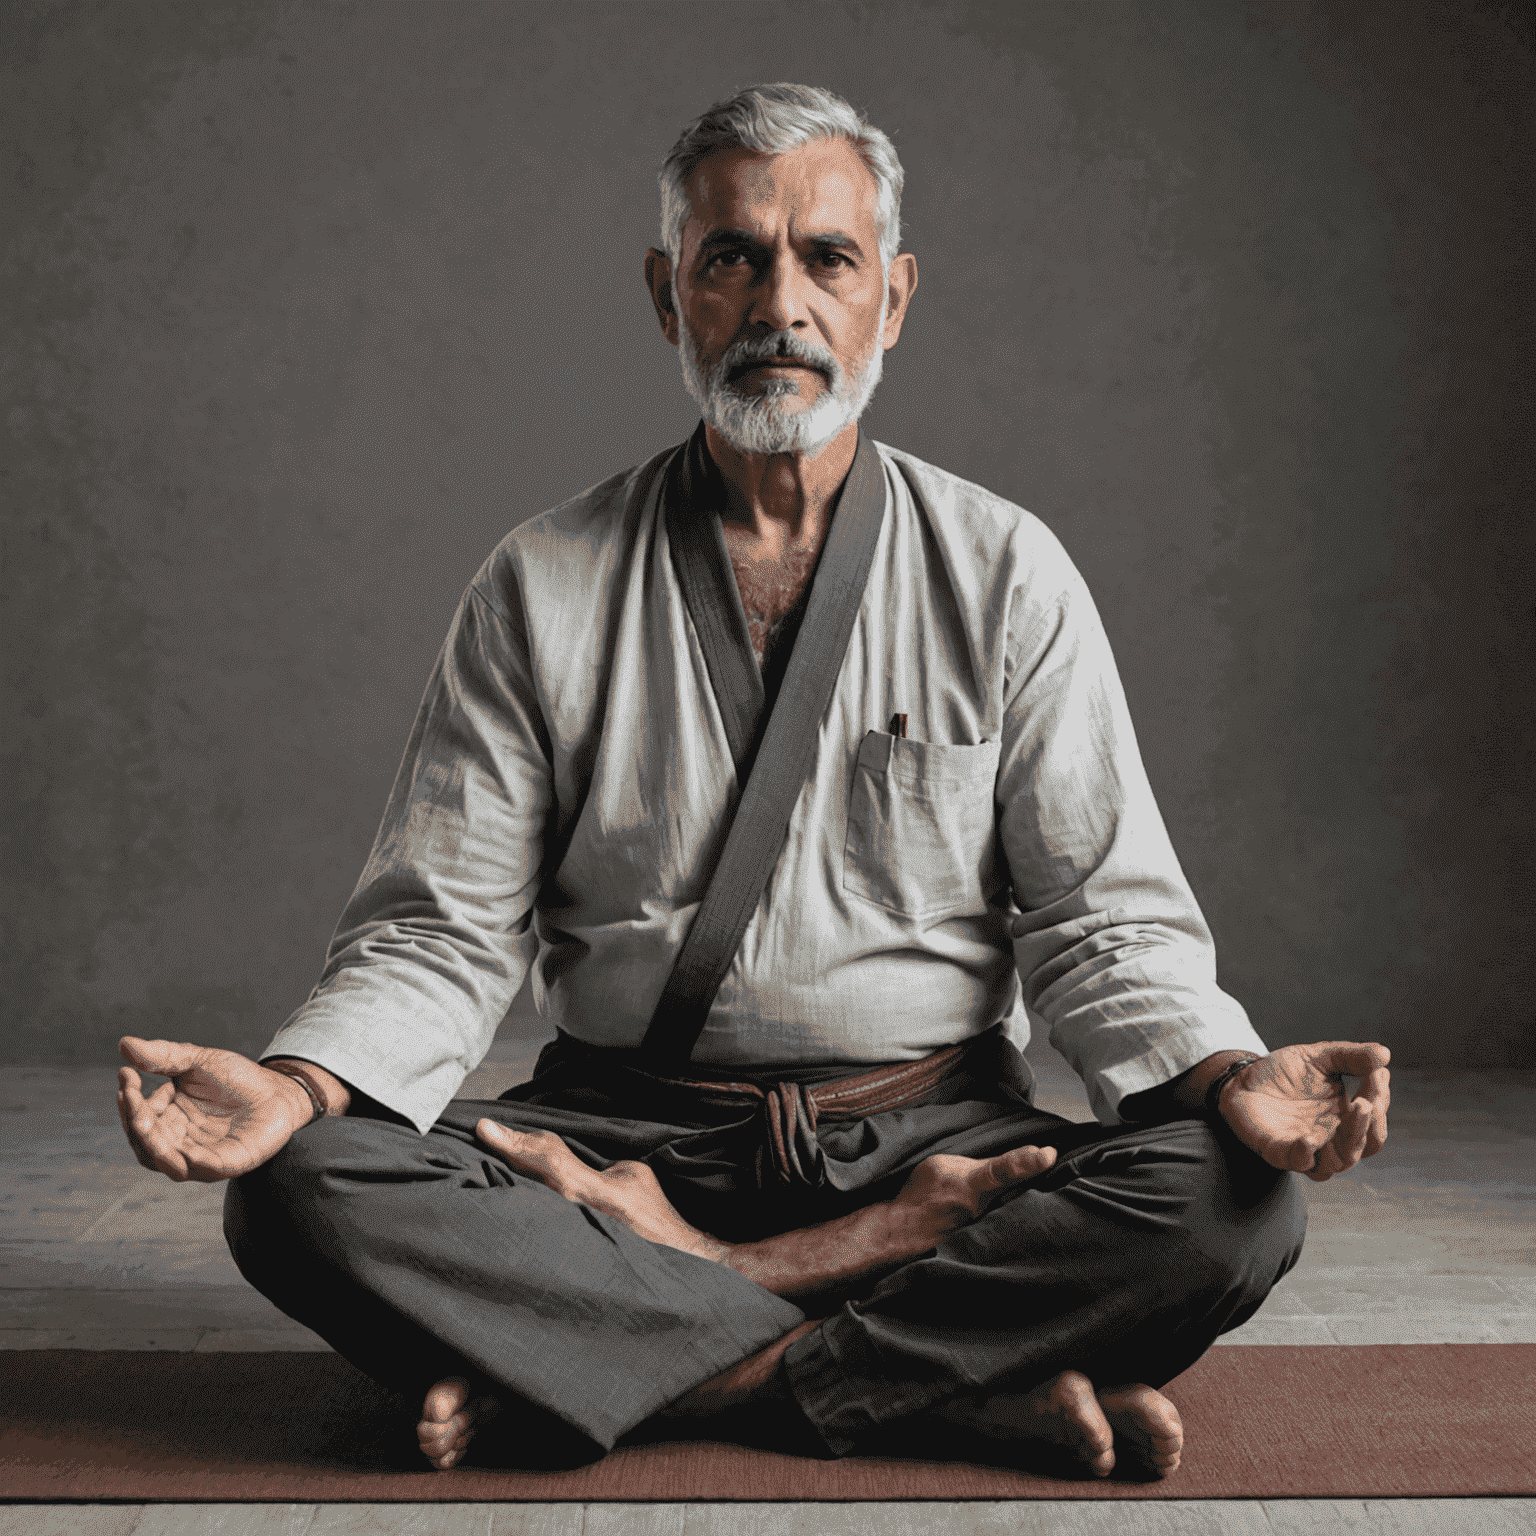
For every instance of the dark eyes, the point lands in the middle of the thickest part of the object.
(830, 260)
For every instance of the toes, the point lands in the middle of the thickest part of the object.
(439, 1450)
(446, 1424)
(441, 1432)
(443, 1444)
(439, 1439)
(449, 1421)
(1149, 1422)
(445, 1399)
(1147, 1413)
(1073, 1400)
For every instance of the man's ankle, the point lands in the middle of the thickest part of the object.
(770, 1419)
(746, 1382)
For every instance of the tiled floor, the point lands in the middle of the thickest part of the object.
(1430, 1242)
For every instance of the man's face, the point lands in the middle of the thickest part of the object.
(780, 304)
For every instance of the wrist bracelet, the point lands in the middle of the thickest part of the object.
(302, 1079)
(1222, 1078)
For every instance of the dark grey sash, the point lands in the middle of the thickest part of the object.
(774, 757)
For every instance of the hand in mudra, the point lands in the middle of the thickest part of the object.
(220, 1115)
(1290, 1106)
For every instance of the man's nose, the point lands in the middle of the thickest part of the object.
(778, 300)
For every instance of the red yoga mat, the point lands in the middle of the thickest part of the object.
(1278, 1421)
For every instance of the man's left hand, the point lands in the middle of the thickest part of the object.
(1291, 1108)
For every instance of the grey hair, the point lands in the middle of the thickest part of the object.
(771, 119)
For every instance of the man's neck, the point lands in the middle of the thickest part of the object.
(780, 502)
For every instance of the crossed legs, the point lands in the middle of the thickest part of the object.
(1095, 1426)
(1054, 1317)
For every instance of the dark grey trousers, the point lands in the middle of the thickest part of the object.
(423, 1256)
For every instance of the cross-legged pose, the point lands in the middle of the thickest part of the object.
(799, 773)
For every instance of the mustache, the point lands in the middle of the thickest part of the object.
(782, 346)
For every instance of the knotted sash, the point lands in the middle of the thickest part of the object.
(789, 1154)
(724, 1129)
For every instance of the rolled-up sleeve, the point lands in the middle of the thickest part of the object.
(435, 941)
(1110, 944)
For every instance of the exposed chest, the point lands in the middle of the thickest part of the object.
(773, 593)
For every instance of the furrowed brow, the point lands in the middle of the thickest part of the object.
(835, 240)
(733, 238)
(744, 239)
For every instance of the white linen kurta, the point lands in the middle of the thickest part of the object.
(568, 785)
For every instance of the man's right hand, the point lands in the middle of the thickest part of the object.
(221, 1114)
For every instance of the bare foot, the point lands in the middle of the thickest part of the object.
(627, 1190)
(449, 1418)
(1063, 1412)
(1145, 1420)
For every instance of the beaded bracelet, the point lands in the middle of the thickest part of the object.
(302, 1079)
(1222, 1078)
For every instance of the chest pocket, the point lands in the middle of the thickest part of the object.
(922, 829)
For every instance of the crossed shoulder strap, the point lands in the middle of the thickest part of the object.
(775, 756)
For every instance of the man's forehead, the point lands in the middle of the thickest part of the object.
(823, 185)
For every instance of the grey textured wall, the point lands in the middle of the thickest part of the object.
(306, 304)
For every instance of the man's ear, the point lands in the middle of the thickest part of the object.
(658, 283)
(901, 284)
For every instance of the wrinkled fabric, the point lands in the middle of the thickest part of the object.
(419, 1257)
(782, 1127)
(568, 785)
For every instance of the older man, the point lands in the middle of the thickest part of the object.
(784, 758)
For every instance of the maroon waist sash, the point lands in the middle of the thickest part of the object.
(791, 1111)
(769, 1117)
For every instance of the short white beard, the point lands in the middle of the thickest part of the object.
(761, 424)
